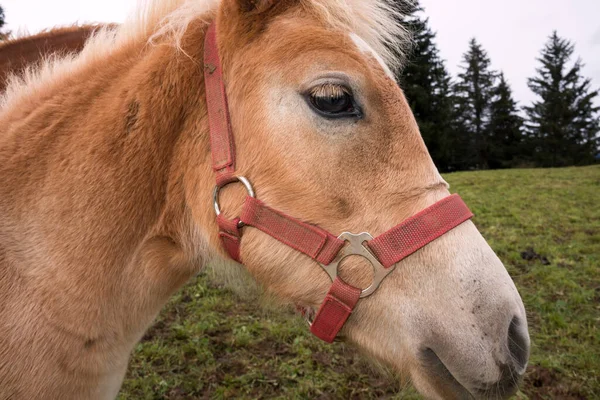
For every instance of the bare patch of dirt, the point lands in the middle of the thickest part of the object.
(159, 329)
(531, 255)
(543, 383)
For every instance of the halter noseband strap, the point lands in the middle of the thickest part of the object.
(383, 251)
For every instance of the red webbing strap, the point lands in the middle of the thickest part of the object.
(335, 310)
(230, 234)
(419, 230)
(221, 135)
(308, 239)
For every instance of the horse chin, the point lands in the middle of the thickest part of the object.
(444, 387)
(447, 384)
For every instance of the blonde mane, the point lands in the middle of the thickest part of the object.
(376, 21)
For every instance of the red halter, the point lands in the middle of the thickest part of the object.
(383, 251)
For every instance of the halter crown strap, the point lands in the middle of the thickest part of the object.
(222, 145)
(221, 135)
(383, 251)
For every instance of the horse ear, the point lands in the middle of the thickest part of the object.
(256, 6)
(248, 17)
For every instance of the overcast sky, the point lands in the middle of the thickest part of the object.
(512, 31)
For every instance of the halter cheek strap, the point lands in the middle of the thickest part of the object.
(383, 252)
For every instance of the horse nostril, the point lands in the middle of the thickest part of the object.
(518, 344)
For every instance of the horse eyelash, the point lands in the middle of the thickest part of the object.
(330, 90)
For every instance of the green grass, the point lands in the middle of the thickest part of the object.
(208, 343)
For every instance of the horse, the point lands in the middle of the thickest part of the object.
(108, 199)
(17, 54)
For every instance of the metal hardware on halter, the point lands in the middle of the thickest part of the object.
(241, 179)
(355, 247)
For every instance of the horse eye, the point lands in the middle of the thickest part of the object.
(333, 101)
(333, 104)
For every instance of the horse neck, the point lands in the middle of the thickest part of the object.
(100, 169)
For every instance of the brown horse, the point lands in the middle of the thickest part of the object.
(17, 54)
(106, 187)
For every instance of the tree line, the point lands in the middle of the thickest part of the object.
(472, 121)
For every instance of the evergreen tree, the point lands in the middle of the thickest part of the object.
(1, 17)
(505, 128)
(2, 22)
(563, 124)
(426, 84)
(473, 94)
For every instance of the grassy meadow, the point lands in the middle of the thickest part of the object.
(544, 224)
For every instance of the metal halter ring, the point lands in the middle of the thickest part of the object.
(355, 247)
(241, 179)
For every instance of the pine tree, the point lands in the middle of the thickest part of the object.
(1, 17)
(2, 22)
(505, 128)
(473, 94)
(426, 83)
(563, 124)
